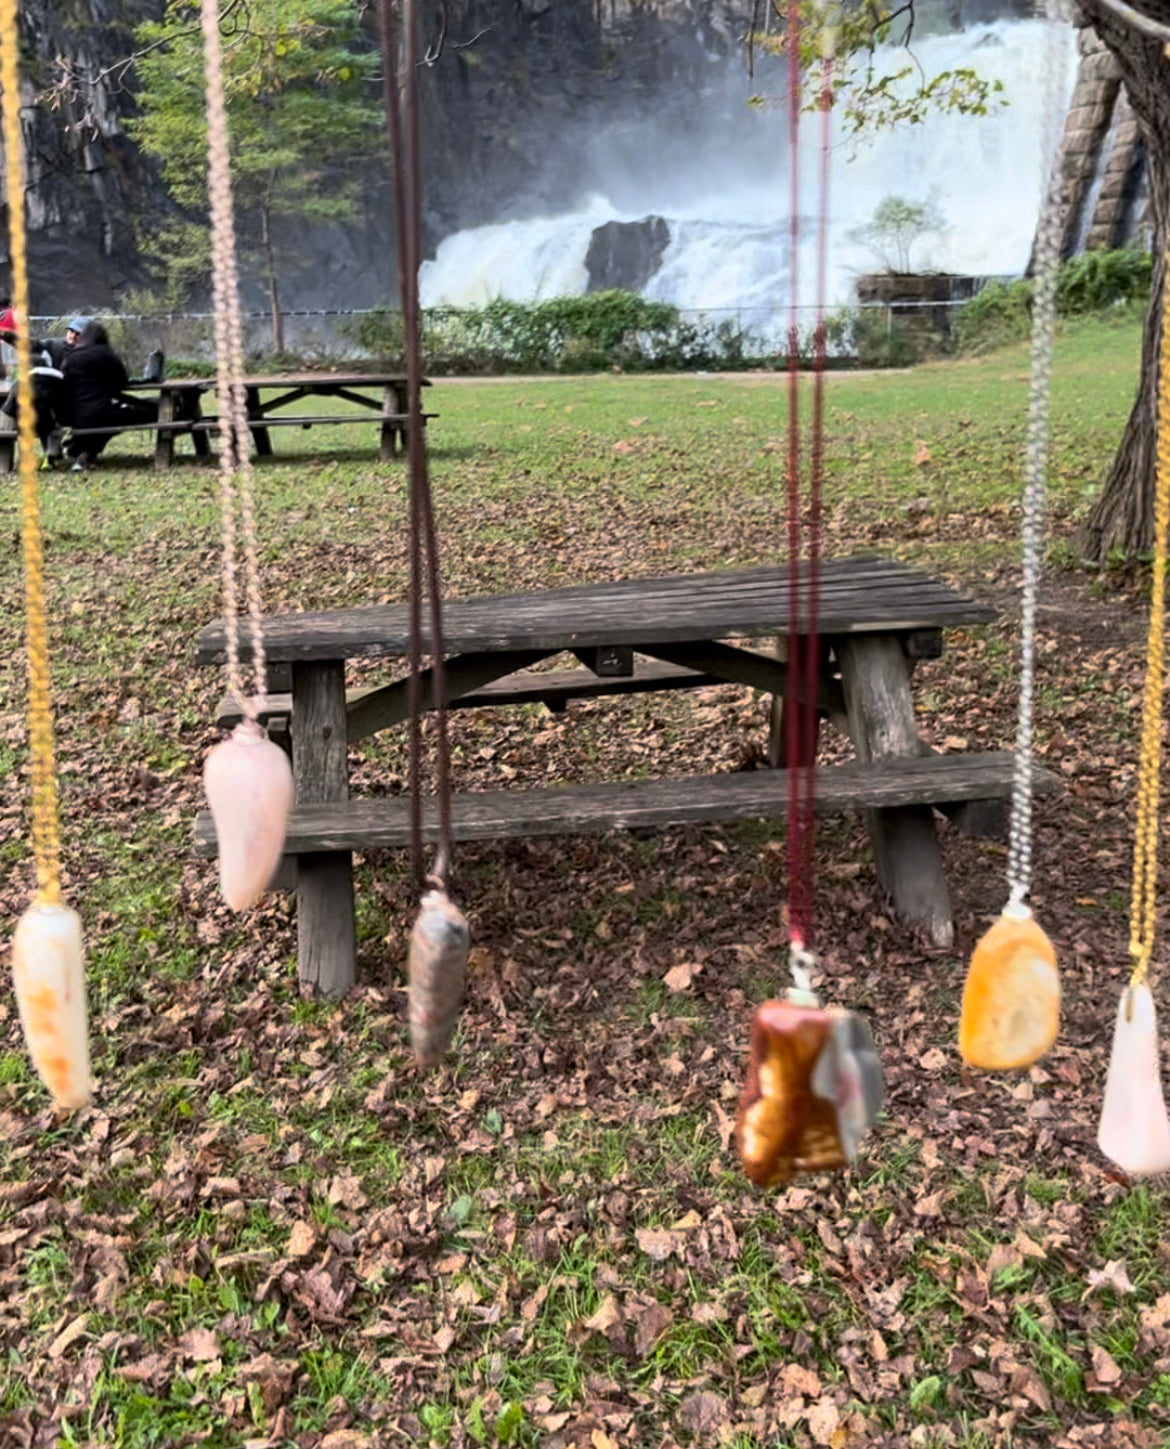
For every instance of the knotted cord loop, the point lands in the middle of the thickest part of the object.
(235, 450)
(46, 828)
(1047, 261)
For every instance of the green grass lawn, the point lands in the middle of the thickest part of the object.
(271, 1230)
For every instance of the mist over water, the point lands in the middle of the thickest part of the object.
(722, 186)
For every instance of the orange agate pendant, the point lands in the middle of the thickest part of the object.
(1011, 999)
(48, 972)
(249, 787)
(439, 944)
(1135, 1130)
(814, 1085)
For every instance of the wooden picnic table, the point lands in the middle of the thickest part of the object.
(876, 618)
(268, 398)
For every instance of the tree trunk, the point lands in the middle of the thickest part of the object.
(273, 289)
(1121, 522)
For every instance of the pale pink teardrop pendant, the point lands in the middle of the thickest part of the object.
(249, 787)
(1134, 1130)
(48, 971)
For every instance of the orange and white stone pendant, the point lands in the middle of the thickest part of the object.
(249, 787)
(1011, 999)
(1135, 1130)
(439, 946)
(48, 972)
(813, 1087)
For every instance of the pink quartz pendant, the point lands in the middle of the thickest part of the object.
(249, 787)
(439, 944)
(1134, 1130)
(48, 971)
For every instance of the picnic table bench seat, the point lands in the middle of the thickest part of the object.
(876, 619)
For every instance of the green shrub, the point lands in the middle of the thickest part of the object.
(1097, 281)
(872, 337)
(1001, 313)
(1094, 282)
(562, 334)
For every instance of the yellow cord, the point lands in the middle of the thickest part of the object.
(45, 826)
(1145, 851)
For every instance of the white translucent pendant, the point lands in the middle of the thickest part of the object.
(249, 787)
(1134, 1130)
(48, 971)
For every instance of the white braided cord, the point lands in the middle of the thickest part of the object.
(1047, 261)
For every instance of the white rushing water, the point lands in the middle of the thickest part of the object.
(728, 210)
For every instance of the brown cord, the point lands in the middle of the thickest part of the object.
(402, 117)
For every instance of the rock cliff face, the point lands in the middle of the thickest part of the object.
(85, 180)
(512, 107)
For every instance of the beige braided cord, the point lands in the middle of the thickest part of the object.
(235, 447)
(46, 829)
(1143, 907)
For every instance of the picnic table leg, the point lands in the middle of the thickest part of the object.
(781, 708)
(390, 430)
(199, 436)
(325, 911)
(260, 434)
(7, 442)
(876, 681)
(164, 438)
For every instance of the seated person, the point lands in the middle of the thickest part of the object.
(94, 377)
(49, 355)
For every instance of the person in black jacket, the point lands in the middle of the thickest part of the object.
(48, 355)
(94, 378)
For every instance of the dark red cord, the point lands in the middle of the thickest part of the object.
(803, 678)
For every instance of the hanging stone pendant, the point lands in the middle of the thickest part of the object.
(249, 786)
(1135, 1130)
(439, 944)
(1011, 998)
(48, 972)
(814, 1086)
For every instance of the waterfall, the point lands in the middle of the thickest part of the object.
(725, 195)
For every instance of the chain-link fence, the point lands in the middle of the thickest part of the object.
(461, 339)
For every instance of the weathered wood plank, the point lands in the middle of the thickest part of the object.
(855, 595)
(390, 705)
(628, 804)
(326, 933)
(552, 687)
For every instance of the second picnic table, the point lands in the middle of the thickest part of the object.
(268, 399)
(876, 618)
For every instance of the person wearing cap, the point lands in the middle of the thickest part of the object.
(48, 377)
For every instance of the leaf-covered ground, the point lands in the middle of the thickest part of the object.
(271, 1230)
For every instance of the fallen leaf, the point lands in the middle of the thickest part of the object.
(1105, 1366)
(823, 1419)
(658, 1243)
(69, 1334)
(678, 978)
(301, 1241)
(200, 1344)
(649, 1326)
(608, 1314)
(796, 1379)
(1113, 1275)
(702, 1413)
